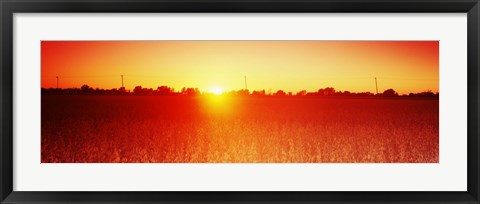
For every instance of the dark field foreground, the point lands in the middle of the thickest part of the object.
(98, 129)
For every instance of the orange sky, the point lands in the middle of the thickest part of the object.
(405, 66)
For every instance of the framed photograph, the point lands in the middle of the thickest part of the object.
(239, 101)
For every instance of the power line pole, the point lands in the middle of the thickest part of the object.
(246, 83)
(122, 79)
(57, 81)
(376, 84)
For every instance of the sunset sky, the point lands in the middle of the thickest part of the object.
(292, 66)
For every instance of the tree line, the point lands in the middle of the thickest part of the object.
(188, 91)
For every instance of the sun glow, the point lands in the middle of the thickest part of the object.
(216, 90)
(217, 102)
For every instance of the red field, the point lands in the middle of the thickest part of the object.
(181, 129)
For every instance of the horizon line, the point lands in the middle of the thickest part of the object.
(270, 91)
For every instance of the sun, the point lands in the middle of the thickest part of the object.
(216, 90)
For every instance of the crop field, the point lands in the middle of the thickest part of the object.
(220, 129)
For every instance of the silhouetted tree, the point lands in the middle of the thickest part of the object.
(321, 92)
(137, 90)
(390, 93)
(365, 94)
(164, 90)
(243, 92)
(301, 93)
(258, 93)
(280, 93)
(191, 91)
(86, 89)
(428, 93)
(122, 90)
(329, 91)
(142, 91)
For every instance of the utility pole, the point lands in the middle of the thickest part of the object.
(122, 79)
(57, 81)
(376, 84)
(246, 83)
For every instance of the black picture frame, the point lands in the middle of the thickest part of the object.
(9, 7)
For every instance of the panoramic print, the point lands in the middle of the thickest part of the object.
(239, 101)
